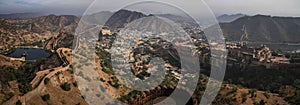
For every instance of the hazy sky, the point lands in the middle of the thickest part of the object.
(77, 7)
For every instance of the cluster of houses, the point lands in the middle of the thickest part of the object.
(143, 52)
(106, 38)
(140, 61)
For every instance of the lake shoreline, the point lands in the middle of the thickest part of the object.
(32, 53)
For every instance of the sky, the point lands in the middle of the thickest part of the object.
(219, 7)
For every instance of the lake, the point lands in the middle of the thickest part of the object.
(32, 53)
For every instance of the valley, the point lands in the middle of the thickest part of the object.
(255, 74)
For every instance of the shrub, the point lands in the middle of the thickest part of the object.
(266, 94)
(18, 102)
(65, 65)
(64, 57)
(75, 84)
(46, 97)
(26, 88)
(72, 71)
(107, 71)
(98, 95)
(57, 73)
(51, 70)
(66, 86)
(46, 81)
(102, 80)
(252, 93)
(244, 97)
(262, 102)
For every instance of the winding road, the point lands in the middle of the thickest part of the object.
(37, 83)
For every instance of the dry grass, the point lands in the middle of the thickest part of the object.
(57, 95)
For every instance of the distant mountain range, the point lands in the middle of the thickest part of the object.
(261, 28)
(239, 27)
(21, 15)
(229, 18)
(121, 18)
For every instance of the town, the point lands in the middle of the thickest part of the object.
(239, 57)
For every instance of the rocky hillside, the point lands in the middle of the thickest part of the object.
(121, 18)
(35, 30)
(262, 28)
(139, 21)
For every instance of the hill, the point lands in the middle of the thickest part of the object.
(20, 15)
(229, 18)
(261, 28)
(43, 30)
(122, 17)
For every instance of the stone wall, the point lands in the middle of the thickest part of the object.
(17, 59)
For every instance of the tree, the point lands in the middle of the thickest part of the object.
(51, 70)
(64, 57)
(18, 102)
(262, 102)
(244, 97)
(66, 86)
(252, 93)
(46, 97)
(26, 88)
(75, 84)
(46, 81)
(266, 94)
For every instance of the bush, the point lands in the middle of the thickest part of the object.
(51, 70)
(252, 93)
(57, 73)
(244, 97)
(266, 94)
(98, 95)
(46, 97)
(102, 80)
(46, 81)
(75, 84)
(116, 85)
(26, 88)
(65, 65)
(72, 71)
(64, 57)
(107, 70)
(18, 102)
(66, 86)
(262, 102)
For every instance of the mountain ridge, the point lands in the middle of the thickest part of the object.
(44, 28)
(20, 15)
(225, 18)
(263, 28)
